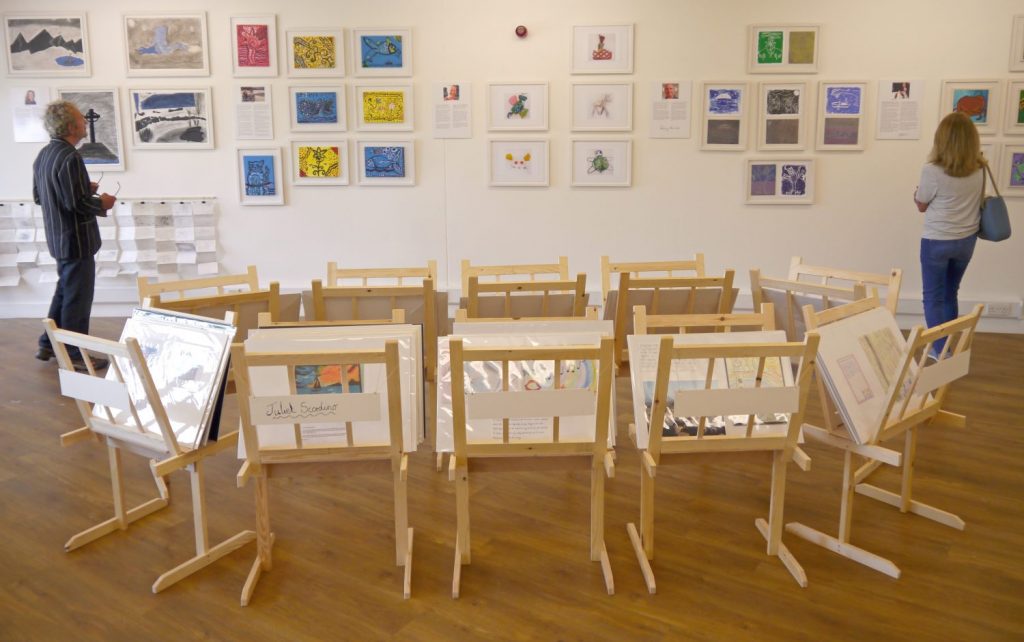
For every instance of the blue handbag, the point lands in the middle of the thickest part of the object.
(995, 220)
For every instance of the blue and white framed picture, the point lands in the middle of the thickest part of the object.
(386, 162)
(259, 176)
(724, 116)
(841, 111)
(170, 118)
(382, 52)
(771, 181)
(317, 108)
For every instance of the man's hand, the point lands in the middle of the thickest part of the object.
(107, 201)
(93, 186)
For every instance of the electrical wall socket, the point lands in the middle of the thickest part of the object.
(1001, 309)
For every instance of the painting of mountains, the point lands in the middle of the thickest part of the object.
(47, 45)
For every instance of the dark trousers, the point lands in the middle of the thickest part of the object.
(72, 300)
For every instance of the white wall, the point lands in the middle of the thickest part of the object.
(682, 200)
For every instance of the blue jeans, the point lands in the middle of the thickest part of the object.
(943, 264)
(72, 300)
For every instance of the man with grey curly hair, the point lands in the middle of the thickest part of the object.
(60, 184)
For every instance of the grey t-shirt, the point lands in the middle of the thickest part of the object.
(954, 203)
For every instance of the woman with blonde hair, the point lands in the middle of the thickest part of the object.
(949, 195)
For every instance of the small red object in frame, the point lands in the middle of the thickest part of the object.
(521, 31)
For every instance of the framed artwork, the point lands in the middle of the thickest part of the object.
(316, 52)
(170, 118)
(166, 44)
(517, 106)
(47, 44)
(382, 52)
(602, 163)
(254, 114)
(317, 108)
(605, 49)
(1011, 171)
(518, 163)
(841, 108)
(782, 116)
(384, 108)
(259, 176)
(1017, 44)
(254, 45)
(898, 114)
(1014, 108)
(102, 146)
(671, 108)
(386, 162)
(993, 153)
(779, 182)
(778, 49)
(979, 99)
(724, 116)
(602, 107)
(319, 162)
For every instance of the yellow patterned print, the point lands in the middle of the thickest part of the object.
(384, 107)
(319, 161)
(314, 52)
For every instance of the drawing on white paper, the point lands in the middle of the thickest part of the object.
(855, 378)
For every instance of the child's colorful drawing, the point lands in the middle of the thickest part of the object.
(769, 47)
(762, 180)
(973, 102)
(1017, 170)
(517, 106)
(318, 161)
(253, 46)
(314, 52)
(842, 100)
(794, 180)
(598, 163)
(381, 51)
(1020, 108)
(259, 175)
(384, 107)
(523, 162)
(316, 107)
(330, 379)
(724, 101)
(384, 162)
(603, 49)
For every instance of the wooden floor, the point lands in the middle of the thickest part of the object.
(334, 576)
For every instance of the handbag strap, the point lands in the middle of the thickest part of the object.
(988, 171)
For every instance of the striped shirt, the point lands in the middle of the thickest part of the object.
(60, 183)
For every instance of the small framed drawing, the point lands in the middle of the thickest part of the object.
(382, 52)
(602, 163)
(780, 182)
(316, 52)
(170, 118)
(384, 108)
(166, 44)
(102, 146)
(602, 107)
(778, 49)
(47, 44)
(254, 45)
(317, 108)
(519, 163)
(386, 162)
(782, 116)
(724, 121)
(1017, 44)
(606, 49)
(840, 116)
(259, 176)
(320, 162)
(979, 99)
(517, 106)
(1011, 170)
(1014, 108)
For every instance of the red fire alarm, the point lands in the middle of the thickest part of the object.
(521, 31)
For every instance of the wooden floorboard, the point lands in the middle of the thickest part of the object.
(334, 576)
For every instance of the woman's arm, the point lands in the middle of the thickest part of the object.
(921, 207)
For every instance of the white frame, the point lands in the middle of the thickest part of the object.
(84, 71)
(778, 198)
(1011, 127)
(342, 179)
(339, 92)
(784, 67)
(800, 117)
(539, 146)
(674, 111)
(621, 94)
(178, 71)
(339, 53)
(267, 20)
(205, 91)
(276, 199)
(410, 162)
(118, 167)
(1017, 44)
(902, 115)
(379, 72)
(582, 59)
(994, 157)
(1005, 169)
(580, 163)
(406, 125)
(993, 119)
(706, 117)
(862, 126)
(497, 119)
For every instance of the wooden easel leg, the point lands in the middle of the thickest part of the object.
(865, 471)
(407, 580)
(199, 508)
(462, 512)
(401, 515)
(598, 550)
(264, 540)
(121, 517)
(457, 572)
(641, 557)
(907, 481)
(772, 529)
(439, 462)
(643, 541)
